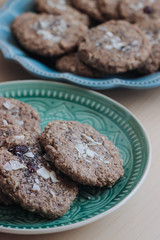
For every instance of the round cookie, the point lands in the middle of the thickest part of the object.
(114, 47)
(137, 10)
(72, 64)
(21, 113)
(32, 182)
(109, 8)
(82, 153)
(152, 30)
(48, 35)
(90, 7)
(60, 7)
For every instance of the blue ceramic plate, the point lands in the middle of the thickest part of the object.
(11, 50)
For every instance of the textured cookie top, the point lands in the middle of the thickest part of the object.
(60, 7)
(89, 7)
(82, 153)
(109, 8)
(21, 114)
(71, 63)
(151, 28)
(30, 181)
(48, 35)
(135, 10)
(115, 46)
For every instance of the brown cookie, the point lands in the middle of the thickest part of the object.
(48, 35)
(109, 8)
(114, 47)
(31, 181)
(60, 7)
(152, 30)
(90, 7)
(72, 64)
(20, 113)
(137, 10)
(82, 153)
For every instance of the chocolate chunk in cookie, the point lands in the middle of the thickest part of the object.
(82, 153)
(114, 47)
(48, 35)
(32, 182)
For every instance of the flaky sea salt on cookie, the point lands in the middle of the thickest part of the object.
(33, 183)
(114, 47)
(19, 113)
(60, 7)
(48, 35)
(82, 153)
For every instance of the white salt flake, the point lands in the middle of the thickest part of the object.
(20, 122)
(108, 47)
(90, 153)
(137, 6)
(53, 177)
(43, 172)
(13, 165)
(29, 154)
(48, 36)
(20, 137)
(53, 193)
(5, 122)
(8, 105)
(37, 180)
(110, 34)
(80, 148)
(36, 187)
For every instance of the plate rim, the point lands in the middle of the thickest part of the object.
(153, 80)
(16, 230)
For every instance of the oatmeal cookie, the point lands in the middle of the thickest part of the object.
(48, 35)
(82, 153)
(20, 113)
(61, 7)
(32, 182)
(114, 47)
(72, 64)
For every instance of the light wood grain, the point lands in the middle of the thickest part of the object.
(139, 218)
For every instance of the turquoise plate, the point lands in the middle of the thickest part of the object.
(11, 51)
(61, 101)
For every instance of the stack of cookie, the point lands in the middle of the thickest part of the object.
(41, 171)
(92, 38)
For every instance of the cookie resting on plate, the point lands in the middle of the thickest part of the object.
(114, 47)
(82, 153)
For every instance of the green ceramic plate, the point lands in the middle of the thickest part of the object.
(62, 101)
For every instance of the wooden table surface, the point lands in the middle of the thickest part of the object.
(139, 218)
